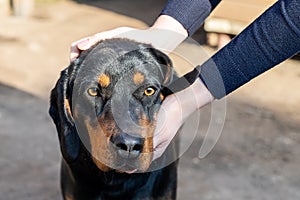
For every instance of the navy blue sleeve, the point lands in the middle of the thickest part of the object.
(190, 13)
(269, 40)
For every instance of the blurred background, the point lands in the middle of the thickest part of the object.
(256, 157)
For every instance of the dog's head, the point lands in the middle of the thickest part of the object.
(108, 100)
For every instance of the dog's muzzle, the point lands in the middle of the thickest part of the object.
(127, 146)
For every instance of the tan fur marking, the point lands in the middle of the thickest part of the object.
(100, 165)
(104, 80)
(162, 97)
(67, 106)
(147, 154)
(138, 78)
(168, 74)
(144, 122)
(69, 197)
(99, 148)
(147, 133)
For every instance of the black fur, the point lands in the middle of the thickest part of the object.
(81, 179)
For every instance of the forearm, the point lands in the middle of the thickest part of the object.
(269, 40)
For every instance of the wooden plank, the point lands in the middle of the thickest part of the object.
(232, 16)
(4, 8)
(23, 8)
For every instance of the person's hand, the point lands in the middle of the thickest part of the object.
(165, 34)
(87, 42)
(175, 109)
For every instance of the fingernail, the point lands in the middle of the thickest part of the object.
(83, 44)
(73, 56)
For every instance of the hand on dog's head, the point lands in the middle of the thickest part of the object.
(106, 102)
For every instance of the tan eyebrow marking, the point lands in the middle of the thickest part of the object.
(104, 80)
(138, 78)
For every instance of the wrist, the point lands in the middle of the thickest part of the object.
(169, 23)
(201, 93)
(169, 31)
(190, 99)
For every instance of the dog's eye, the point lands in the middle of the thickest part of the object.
(149, 91)
(93, 91)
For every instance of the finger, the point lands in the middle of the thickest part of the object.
(169, 120)
(85, 43)
(88, 42)
(161, 136)
(159, 150)
(75, 51)
(161, 122)
(109, 34)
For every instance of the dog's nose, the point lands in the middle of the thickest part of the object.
(127, 146)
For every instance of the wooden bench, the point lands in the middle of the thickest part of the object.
(232, 16)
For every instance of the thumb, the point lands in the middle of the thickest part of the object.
(79, 46)
(169, 120)
(85, 43)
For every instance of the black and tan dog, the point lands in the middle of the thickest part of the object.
(104, 107)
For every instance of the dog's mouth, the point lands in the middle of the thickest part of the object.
(127, 168)
(131, 172)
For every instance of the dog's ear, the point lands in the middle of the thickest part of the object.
(166, 66)
(61, 113)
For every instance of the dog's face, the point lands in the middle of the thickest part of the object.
(116, 95)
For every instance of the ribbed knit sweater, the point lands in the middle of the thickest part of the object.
(270, 39)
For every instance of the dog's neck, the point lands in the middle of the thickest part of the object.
(86, 178)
